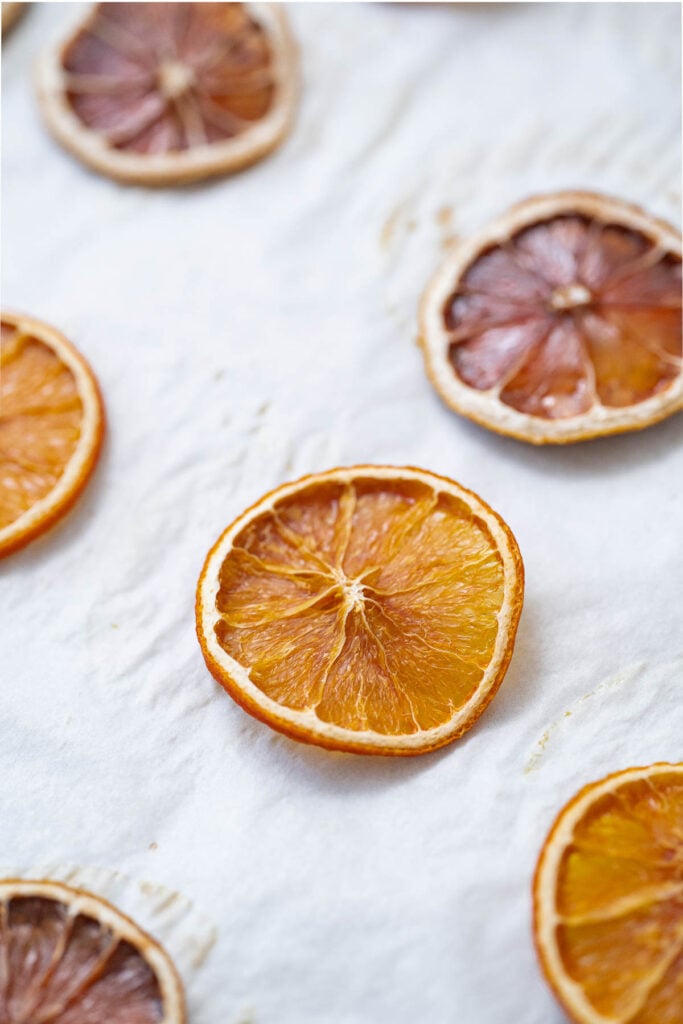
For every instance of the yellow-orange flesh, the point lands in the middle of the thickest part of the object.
(372, 603)
(568, 315)
(620, 902)
(166, 77)
(40, 421)
(56, 967)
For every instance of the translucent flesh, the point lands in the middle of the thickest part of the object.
(40, 421)
(165, 77)
(55, 967)
(372, 604)
(620, 901)
(615, 340)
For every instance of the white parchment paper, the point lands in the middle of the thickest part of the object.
(255, 328)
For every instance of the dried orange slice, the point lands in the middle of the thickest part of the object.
(51, 426)
(369, 609)
(608, 900)
(11, 12)
(164, 93)
(71, 958)
(559, 322)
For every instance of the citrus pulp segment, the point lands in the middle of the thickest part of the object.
(371, 609)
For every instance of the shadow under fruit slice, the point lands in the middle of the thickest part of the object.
(559, 322)
(71, 958)
(371, 609)
(164, 93)
(608, 900)
(51, 427)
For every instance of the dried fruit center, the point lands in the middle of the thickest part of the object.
(570, 296)
(175, 78)
(373, 606)
(621, 344)
(352, 589)
(40, 421)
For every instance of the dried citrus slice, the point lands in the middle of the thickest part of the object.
(163, 93)
(71, 958)
(608, 900)
(369, 609)
(51, 426)
(11, 12)
(559, 322)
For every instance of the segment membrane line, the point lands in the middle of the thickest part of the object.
(33, 1005)
(625, 905)
(521, 362)
(347, 510)
(90, 978)
(221, 118)
(135, 126)
(292, 612)
(425, 643)
(463, 333)
(242, 84)
(383, 662)
(121, 40)
(335, 653)
(95, 85)
(190, 117)
(279, 570)
(297, 541)
(655, 976)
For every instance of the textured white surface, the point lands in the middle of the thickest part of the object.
(256, 328)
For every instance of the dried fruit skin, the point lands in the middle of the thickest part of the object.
(162, 93)
(608, 900)
(560, 322)
(71, 958)
(367, 609)
(51, 428)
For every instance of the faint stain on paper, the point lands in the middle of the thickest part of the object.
(403, 220)
(615, 683)
(399, 222)
(444, 220)
(246, 1017)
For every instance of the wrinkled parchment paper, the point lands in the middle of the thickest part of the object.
(255, 328)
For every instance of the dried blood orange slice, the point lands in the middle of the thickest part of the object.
(370, 609)
(163, 93)
(11, 12)
(51, 426)
(560, 322)
(608, 900)
(71, 958)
